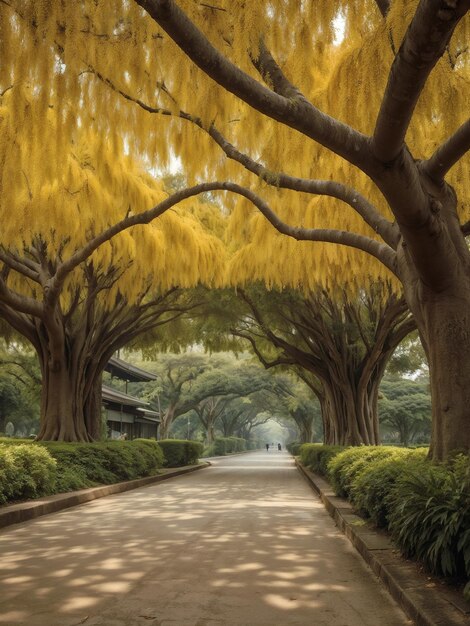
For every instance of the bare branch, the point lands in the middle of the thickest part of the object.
(273, 75)
(424, 43)
(295, 113)
(449, 153)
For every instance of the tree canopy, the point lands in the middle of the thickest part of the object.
(343, 123)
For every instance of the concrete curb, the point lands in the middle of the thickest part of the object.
(24, 511)
(426, 600)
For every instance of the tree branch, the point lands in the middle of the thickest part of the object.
(384, 6)
(379, 250)
(466, 229)
(296, 113)
(387, 230)
(424, 43)
(19, 302)
(18, 265)
(448, 154)
(264, 362)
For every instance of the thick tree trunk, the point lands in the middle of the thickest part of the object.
(306, 432)
(444, 326)
(349, 413)
(62, 406)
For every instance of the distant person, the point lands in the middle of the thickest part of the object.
(267, 447)
(279, 447)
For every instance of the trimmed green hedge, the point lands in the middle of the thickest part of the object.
(294, 447)
(33, 469)
(372, 490)
(344, 467)
(179, 452)
(316, 456)
(425, 505)
(225, 445)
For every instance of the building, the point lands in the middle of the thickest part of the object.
(127, 416)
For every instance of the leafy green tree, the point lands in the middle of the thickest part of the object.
(202, 383)
(20, 385)
(405, 408)
(338, 345)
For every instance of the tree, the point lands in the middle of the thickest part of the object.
(403, 203)
(201, 383)
(405, 407)
(425, 246)
(339, 345)
(78, 286)
(20, 383)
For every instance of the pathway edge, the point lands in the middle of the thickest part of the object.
(422, 598)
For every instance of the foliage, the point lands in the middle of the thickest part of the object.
(405, 408)
(372, 488)
(317, 456)
(180, 452)
(26, 471)
(226, 445)
(294, 447)
(20, 382)
(80, 465)
(345, 466)
(425, 505)
(430, 515)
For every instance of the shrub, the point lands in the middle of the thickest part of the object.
(430, 516)
(235, 444)
(316, 456)
(345, 466)
(26, 471)
(179, 452)
(294, 447)
(371, 489)
(226, 445)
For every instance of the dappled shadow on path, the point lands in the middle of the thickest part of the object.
(242, 543)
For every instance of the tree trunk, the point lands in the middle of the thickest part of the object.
(167, 420)
(62, 406)
(444, 325)
(349, 413)
(306, 432)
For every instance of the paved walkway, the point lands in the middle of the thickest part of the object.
(242, 543)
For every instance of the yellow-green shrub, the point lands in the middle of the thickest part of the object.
(371, 489)
(26, 471)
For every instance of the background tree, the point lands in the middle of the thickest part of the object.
(78, 285)
(405, 408)
(262, 102)
(20, 384)
(201, 383)
(339, 344)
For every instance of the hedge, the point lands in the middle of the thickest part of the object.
(372, 490)
(33, 469)
(346, 465)
(225, 445)
(179, 452)
(316, 456)
(425, 505)
(26, 471)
